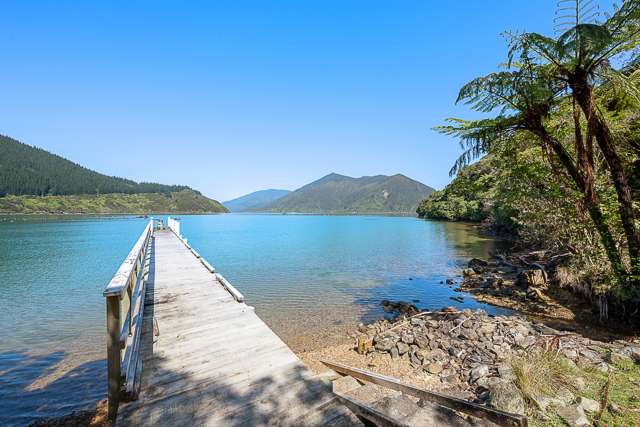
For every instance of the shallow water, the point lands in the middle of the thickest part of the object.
(309, 277)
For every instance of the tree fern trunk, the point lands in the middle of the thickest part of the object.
(600, 130)
(592, 203)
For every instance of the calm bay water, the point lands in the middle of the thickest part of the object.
(309, 277)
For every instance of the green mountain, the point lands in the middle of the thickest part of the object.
(33, 180)
(336, 193)
(255, 200)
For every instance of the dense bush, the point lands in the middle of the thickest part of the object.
(26, 170)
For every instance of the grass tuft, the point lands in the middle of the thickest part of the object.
(544, 373)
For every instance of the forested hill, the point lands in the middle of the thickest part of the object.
(27, 170)
(33, 180)
(336, 193)
(255, 200)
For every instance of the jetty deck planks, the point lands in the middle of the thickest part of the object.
(208, 359)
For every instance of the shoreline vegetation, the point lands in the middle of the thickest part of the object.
(183, 202)
(34, 181)
(559, 159)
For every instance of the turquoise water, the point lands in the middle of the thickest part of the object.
(309, 277)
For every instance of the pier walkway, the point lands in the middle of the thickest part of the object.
(184, 349)
(202, 356)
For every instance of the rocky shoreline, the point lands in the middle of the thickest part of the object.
(472, 351)
(536, 283)
(553, 338)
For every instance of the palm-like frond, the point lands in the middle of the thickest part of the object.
(487, 93)
(526, 89)
(583, 46)
(619, 83)
(477, 136)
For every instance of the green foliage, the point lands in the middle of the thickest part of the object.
(342, 194)
(184, 201)
(563, 142)
(470, 197)
(26, 170)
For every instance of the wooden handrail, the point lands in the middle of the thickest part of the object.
(483, 412)
(233, 291)
(125, 305)
(121, 279)
(174, 225)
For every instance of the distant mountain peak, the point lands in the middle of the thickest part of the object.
(255, 200)
(336, 193)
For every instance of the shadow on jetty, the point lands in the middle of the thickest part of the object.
(24, 401)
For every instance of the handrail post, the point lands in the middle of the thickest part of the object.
(114, 377)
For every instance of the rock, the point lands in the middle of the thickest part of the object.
(399, 308)
(488, 382)
(536, 294)
(588, 405)
(394, 352)
(468, 334)
(580, 384)
(589, 354)
(421, 341)
(570, 354)
(574, 416)
(456, 352)
(613, 357)
(417, 322)
(468, 272)
(632, 352)
(396, 407)
(345, 384)
(438, 354)
(402, 348)
(385, 343)
(531, 278)
(424, 355)
(434, 368)
(546, 402)
(407, 337)
(603, 367)
(505, 396)
(476, 262)
(449, 281)
(565, 396)
(506, 371)
(414, 360)
(487, 328)
(447, 372)
(364, 344)
(479, 372)
(433, 415)
(614, 408)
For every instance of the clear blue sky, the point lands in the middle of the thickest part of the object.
(232, 97)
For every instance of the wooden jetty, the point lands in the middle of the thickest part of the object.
(184, 349)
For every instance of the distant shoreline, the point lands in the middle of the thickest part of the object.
(177, 202)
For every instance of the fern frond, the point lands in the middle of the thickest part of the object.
(477, 136)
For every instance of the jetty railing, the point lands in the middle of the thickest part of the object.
(174, 225)
(125, 305)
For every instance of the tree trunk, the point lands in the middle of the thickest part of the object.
(592, 203)
(599, 129)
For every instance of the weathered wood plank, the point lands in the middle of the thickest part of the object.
(212, 361)
(479, 411)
